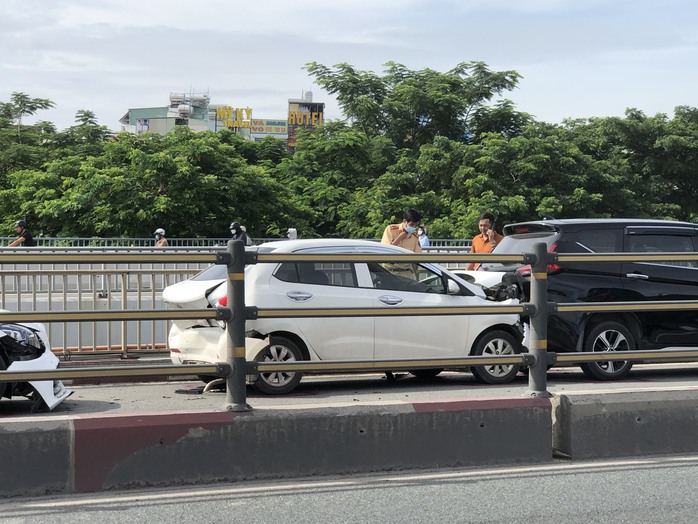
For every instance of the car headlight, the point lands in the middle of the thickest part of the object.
(22, 334)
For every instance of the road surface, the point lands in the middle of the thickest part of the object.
(646, 490)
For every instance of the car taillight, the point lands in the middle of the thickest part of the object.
(525, 271)
(553, 268)
(223, 301)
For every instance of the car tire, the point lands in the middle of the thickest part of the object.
(281, 349)
(38, 403)
(423, 374)
(608, 336)
(496, 342)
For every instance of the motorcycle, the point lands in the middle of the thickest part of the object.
(25, 347)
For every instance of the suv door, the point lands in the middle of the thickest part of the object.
(663, 280)
(582, 281)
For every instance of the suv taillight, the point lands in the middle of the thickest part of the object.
(525, 271)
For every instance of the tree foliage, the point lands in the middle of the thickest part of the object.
(411, 108)
(446, 144)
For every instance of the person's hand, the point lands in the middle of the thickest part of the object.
(490, 235)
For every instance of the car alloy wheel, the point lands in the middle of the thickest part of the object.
(278, 382)
(608, 336)
(493, 343)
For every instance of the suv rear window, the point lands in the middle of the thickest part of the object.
(516, 244)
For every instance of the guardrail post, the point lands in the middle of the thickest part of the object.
(538, 346)
(236, 393)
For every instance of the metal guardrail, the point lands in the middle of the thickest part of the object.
(235, 258)
(220, 369)
(195, 242)
(340, 366)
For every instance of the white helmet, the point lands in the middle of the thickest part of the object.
(160, 231)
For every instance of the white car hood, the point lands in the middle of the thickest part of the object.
(485, 279)
(190, 292)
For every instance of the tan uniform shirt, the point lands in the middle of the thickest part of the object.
(410, 242)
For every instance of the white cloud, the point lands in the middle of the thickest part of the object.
(579, 59)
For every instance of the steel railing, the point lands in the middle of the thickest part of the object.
(235, 257)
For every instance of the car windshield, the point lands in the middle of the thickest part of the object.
(516, 244)
(214, 272)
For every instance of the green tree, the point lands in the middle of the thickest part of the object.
(413, 107)
(192, 184)
(21, 105)
(329, 165)
(86, 137)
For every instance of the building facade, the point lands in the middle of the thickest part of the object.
(195, 111)
(303, 113)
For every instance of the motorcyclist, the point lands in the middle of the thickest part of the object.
(237, 232)
(25, 238)
(160, 240)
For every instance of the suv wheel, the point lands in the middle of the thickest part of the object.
(278, 382)
(608, 336)
(496, 343)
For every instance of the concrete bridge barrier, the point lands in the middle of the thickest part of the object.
(99, 452)
(590, 426)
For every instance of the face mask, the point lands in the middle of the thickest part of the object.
(409, 229)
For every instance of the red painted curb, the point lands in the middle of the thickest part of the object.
(101, 443)
(481, 404)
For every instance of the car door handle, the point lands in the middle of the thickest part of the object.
(390, 300)
(299, 296)
(638, 276)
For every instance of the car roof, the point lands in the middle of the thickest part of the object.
(560, 224)
(329, 244)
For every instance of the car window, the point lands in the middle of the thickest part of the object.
(517, 244)
(321, 273)
(592, 241)
(214, 272)
(406, 277)
(662, 244)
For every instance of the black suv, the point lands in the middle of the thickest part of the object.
(611, 282)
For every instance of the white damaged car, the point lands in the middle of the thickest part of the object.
(25, 347)
(300, 285)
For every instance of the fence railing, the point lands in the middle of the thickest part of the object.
(235, 258)
(51, 285)
(141, 242)
(56, 279)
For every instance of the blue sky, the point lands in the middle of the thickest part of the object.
(578, 58)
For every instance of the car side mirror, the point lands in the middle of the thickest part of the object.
(454, 288)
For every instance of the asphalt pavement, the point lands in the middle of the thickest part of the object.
(153, 395)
